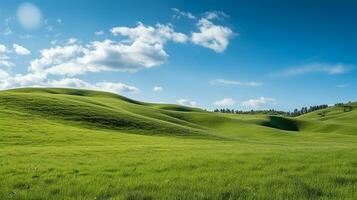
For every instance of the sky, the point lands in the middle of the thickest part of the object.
(210, 54)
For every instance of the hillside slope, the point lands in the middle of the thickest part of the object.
(92, 109)
(338, 119)
(103, 110)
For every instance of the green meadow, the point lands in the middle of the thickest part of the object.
(81, 144)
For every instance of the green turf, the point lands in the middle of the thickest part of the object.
(80, 144)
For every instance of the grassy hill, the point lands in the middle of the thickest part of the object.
(80, 144)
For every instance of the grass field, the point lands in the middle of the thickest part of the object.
(78, 144)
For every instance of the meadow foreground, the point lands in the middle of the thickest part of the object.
(80, 144)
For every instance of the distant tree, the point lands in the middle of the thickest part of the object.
(295, 113)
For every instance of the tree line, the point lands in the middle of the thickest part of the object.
(294, 113)
(346, 108)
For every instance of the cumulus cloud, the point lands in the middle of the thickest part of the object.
(233, 82)
(22, 80)
(226, 102)
(157, 35)
(211, 35)
(56, 56)
(143, 48)
(261, 101)
(331, 69)
(20, 49)
(29, 16)
(186, 102)
(157, 89)
(115, 56)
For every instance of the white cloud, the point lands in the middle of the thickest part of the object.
(29, 16)
(20, 49)
(58, 58)
(226, 102)
(3, 77)
(20, 80)
(3, 74)
(186, 102)
(325, 68)
(144, 48)
(39, 80)
(157, 35)
(179, 13)
(70, 83)
(157, 89)
(232, 82)
(55, 56)
(98, 33)
(113, 56)
(3, 49)
(6, 63)
(210, 35)
(116, 87)
(261, 101)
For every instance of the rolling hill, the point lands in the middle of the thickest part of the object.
(79, 144)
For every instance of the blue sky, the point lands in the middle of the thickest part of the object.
(235, 54)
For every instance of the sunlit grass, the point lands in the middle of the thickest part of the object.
(70, 144)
